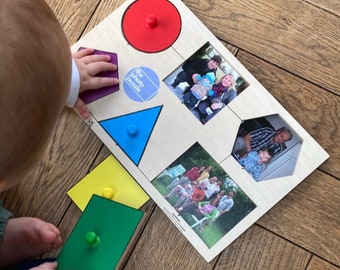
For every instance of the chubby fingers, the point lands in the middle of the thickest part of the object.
(93, 83)
(83, 52)
(87, 56)
(97, 67)
(99, 82)
(94, 58)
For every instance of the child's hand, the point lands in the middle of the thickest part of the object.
(196, 77)
(216, 106)
(46, 266)
(89, 65)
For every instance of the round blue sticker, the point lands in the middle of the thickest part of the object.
(141, 84)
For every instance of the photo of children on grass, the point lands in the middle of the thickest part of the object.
(203, 194)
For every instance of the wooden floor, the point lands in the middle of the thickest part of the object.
(292, 48)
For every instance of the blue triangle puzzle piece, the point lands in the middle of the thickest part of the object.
(132, 131)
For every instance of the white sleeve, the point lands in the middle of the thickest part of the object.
(75, 84)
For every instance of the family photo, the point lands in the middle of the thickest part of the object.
(203, 194)
(267, 148)
(205, 83)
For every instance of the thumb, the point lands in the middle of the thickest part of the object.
(81, 109)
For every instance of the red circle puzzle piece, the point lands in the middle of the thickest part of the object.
(151, 25)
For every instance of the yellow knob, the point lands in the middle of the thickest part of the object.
(108, 193)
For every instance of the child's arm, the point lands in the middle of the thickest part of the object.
(89, 66)
(242, 160)
(257, 172)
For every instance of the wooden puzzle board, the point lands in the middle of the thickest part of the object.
(172, 129)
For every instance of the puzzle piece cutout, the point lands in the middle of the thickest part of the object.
(108, 176)
(92, 95)
(100, 237)
(132, 131)
(159, 25)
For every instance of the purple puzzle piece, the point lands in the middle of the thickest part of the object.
(92, 95)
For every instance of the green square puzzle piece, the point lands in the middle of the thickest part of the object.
(113, 223)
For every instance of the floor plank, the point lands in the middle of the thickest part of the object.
(309, 216)
(258, 248)
(286, 35)
(318, 111)
(104, 9)
(332, 6)
(162, 246)
(317, 263)
(42, 194)
(73, 15)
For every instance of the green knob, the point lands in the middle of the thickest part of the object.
(92, 239)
